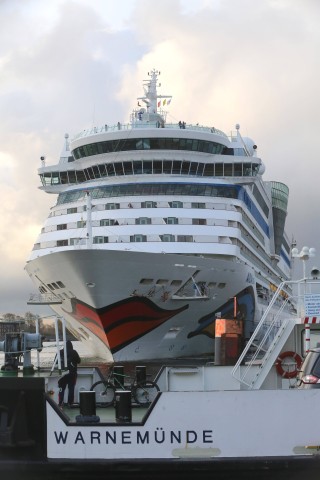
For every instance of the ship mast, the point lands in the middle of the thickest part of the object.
(152, 113)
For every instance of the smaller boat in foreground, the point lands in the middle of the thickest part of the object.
(221, 419)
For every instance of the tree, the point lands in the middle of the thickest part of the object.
(31, 321)
(10, 317)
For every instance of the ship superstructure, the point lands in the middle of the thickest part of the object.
(158, 229)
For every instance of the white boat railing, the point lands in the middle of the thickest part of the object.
(144, 125)
(271, 334)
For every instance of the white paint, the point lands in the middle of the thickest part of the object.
(226, 423)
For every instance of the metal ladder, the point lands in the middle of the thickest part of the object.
(265, 344)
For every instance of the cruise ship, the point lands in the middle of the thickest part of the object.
(158, 230)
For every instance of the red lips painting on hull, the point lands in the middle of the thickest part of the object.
(122, 322)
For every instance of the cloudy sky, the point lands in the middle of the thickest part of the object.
(66, 65)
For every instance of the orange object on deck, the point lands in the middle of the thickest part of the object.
(224, 325)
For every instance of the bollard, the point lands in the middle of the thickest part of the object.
(87, 403)
(123, 406)
(87, 400)
(141, 374)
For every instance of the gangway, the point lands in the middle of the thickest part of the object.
(270, 335)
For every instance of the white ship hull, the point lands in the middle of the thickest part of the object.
(136, 306)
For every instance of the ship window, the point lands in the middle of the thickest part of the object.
(200, 169)
(81, 176)
(103, 170)
(184, 238)
(46, 179)
(199, 221)
(221, 285)
(62, 243)
(110, 169)
(176, 167)
(212, 284)
(175, 143)
(100, 239)
(147, 167)
(143, 221)
(167, 238)
(107, 222)
(118, 168)
(143, 144)
(55, 178)
(157, 167)
(162, 281)
(112, 206)
(137, 167)
(77, 241)
(228, 169)
(96, 171)
(61, 285)
(72, 210)
(247, 171)
(138, 238)
(167, 166)
(219, 169)
(176, 283)
(146, 281)
(148, 204)
(90, 173)
(171, 220)
(62, 226)
(237, 169)
(72, 176)
(255, 169)
(193, 168)
(55, 286)
(176, 204)
(185, 167)
(208, 170)
(127, 167)
(198, 205)
(195, 145)
(239, 152)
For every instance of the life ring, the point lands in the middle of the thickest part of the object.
(285, 373)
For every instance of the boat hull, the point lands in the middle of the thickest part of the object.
(220, 434)
(132, 306)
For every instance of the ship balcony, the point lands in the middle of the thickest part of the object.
(43, 299)
(145, 125)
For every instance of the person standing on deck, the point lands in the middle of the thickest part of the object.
(70, 378)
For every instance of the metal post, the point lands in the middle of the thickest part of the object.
(307, 338)
(64, 339)
(56, 327)
(89, 223)
(38, 353)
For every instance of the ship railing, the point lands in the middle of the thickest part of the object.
(43, 299)
(144, 125)
(271, 333)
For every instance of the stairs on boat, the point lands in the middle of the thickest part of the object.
(265, 344)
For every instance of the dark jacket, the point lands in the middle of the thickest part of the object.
(73, 358)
